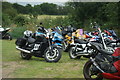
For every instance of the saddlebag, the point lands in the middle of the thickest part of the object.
(20, 42)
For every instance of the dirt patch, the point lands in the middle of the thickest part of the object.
(8, 68)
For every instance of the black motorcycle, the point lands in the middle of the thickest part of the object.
(38, 44)
(4, 34)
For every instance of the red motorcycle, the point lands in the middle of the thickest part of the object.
(114, 76)
(102, 64)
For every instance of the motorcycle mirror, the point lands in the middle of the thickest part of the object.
(40, 23)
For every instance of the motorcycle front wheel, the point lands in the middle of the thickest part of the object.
(52, 56)
(89, 74)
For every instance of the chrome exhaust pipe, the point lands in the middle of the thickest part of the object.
(82, 54)
(20, 49)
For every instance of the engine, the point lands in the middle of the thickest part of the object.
(104, 64)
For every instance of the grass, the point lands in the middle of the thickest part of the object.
(46, 16)
(37, 67)
(52, 16)
(15, 67)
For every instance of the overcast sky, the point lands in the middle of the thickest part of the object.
(37, 0)
(59, 2)
(62, 0)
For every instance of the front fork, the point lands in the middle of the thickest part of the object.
(50, 49)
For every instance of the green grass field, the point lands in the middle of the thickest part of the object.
(15, 67)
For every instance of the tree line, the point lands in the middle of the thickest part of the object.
(10, 12)
(44, 8)
(80, 14)
(107, 14)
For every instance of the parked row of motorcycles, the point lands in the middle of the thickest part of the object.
(101, 48)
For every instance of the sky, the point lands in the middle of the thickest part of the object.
(59, 2)
(35, 2)
(52, 1)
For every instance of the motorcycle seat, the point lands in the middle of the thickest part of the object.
(80, 41)
(106, 52)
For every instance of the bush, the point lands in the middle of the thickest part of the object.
(17, 31)
(6, 20)
(52, 22)
(20, 20)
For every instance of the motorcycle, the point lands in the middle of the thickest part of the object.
(82, 48)
(79, 47)
(4, 33)
(111, 39)
(57, 38)
(102, 64)
(111, 33)
(67, 34)
(38, 44)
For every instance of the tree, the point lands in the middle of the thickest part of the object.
(37, 9)
(9, 10)
(19, 8)
(85, 13)
(29, 9)
(8, 14)
(111, 11)
(49, 8)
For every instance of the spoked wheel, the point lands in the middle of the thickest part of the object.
(65, 46)
(53, 56)
(25, 55)
(72, 54)
(89, 74)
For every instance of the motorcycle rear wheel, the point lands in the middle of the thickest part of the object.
(25, 56)
(8, 36)
(88, 74)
